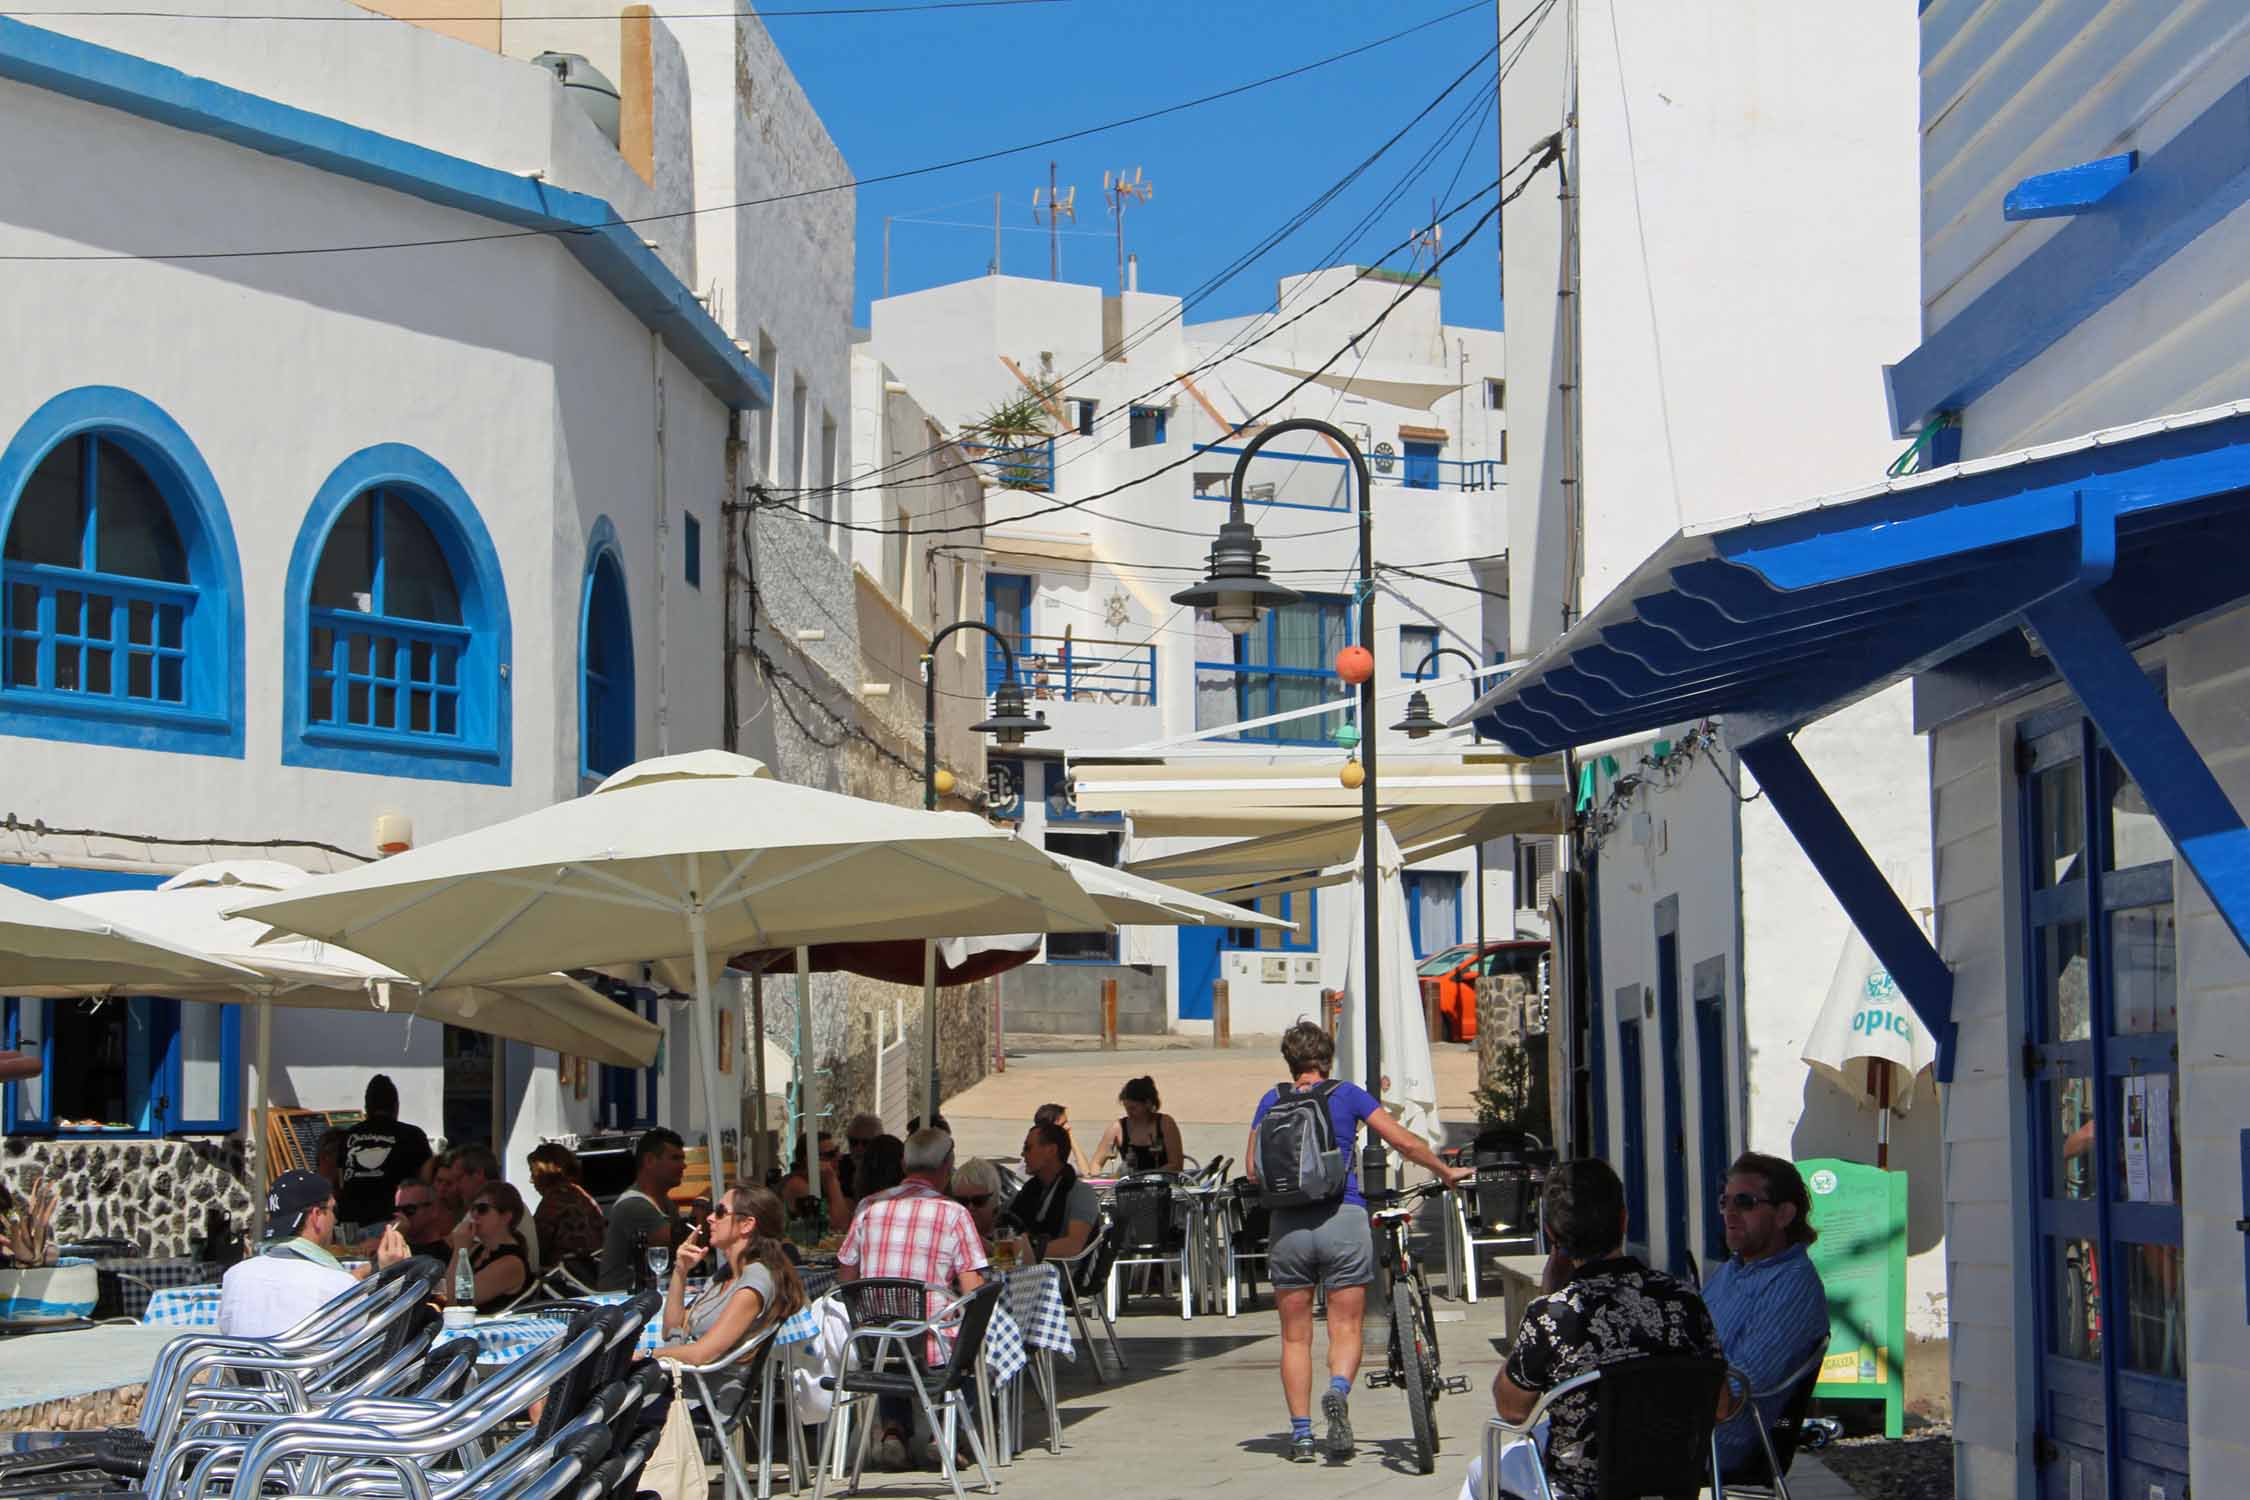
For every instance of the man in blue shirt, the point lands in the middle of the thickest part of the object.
(1327, 1244)
(1767, 1300)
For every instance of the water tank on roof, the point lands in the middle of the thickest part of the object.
(584, 82)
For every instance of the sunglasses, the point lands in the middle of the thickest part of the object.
(404, 1209)
(974, 1200)
(485, 1208)
(1741, 1203)
(721, 1211)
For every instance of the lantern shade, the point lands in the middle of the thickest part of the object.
(1419, 722)
(1236, 589)
(1010, 721)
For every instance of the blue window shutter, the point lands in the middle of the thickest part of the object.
(213, 1112)
(31, 1107)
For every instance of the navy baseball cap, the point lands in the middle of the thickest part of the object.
(295, 1194)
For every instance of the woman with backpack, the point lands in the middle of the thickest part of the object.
(1304, 1156)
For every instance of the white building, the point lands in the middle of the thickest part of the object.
(428, 516)
(2068, 603)
(1740, 247)
(1081, 571)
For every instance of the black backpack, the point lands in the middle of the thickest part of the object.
(1299, 1162)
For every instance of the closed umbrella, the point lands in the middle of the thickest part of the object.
(1410, 1083)
(1865, 1030)
(684, 854)
(47, 942)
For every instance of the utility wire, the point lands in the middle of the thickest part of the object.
(812, 192)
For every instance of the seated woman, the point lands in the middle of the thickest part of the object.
(569, 1221)
(796, 1188)
(1059, 1114)
(497, 1253)
(752, 1285)
(976, 1187)
(1146, 1139)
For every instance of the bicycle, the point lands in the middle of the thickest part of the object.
(1413, 1356)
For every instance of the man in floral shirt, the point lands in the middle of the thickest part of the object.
(1599, 1307)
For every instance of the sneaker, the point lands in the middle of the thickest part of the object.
(1337, 1411)
(1303, 1451)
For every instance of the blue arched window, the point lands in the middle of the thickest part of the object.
(397, 652)
(605, 660)
(120, 609)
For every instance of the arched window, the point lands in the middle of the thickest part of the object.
(120, 618)
(605, 659)
(397, 651)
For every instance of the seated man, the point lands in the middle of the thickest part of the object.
(422, 1219)
(296, 1276)
(1597, 1307)
(1766, 1301)
(1055, 1210)
(642, 1215)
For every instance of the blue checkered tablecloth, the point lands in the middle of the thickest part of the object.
(183, 1307)
(1034, 1304)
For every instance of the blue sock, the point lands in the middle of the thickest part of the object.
(1300, 1427)
(1339, 1385)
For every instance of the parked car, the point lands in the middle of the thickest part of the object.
(1454, 971)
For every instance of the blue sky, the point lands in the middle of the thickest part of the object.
(903, 91)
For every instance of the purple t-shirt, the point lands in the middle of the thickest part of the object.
(1348, 1104)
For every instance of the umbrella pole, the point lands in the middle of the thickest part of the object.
(707, 1048)
(929, 1025)
(261, 1169)
(757, 1041)
(808, 1104)
(1879, 1079)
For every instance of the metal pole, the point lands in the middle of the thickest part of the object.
(757, 1041)
(261, 1172)
(808, 1101)
(929, 1029)
(995, 234)
(886, 255)
(1054, 230)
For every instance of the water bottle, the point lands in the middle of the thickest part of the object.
(464, 1279)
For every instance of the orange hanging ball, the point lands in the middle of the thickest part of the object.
(1355, 664)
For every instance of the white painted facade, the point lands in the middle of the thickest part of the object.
(563, 415)
(1745, 262)
(1102, 570)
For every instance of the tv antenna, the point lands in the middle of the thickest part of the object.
(1121, 191)
(1051, 211)
(1430, 239)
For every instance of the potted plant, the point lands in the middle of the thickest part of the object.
(36, 1288)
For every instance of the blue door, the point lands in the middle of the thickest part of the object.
(1674, 1143)
(1421, 465)
(1632, 1092)
(1711, 1081)
(1199, 967)
(2101, 1056)
(1007, 609)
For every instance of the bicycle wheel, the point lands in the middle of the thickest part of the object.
(1429, 1319)
(1418, 1371)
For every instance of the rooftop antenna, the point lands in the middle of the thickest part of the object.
(1051, 211)
(1120, 191)
(1430, 239)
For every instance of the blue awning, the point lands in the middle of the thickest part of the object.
(1773, 620)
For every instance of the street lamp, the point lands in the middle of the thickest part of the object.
(1420, 724)
(1009, 723)
(1237, 592)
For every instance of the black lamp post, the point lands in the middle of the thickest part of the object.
(1237, 592)
(1420, 724)
(1009, 723)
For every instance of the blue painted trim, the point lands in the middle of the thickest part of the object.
(211, 722)
(1859, 887)
(613, 252)
(1326, 510)
(2245, 1208)
(2069, 192)
(485, 754)
(2184, 187)
(2187, 799)
(603, 550)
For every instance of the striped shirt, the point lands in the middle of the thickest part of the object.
(1771, 1313)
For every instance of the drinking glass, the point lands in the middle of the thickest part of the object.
(659, 1260)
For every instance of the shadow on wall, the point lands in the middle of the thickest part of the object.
(1833, 1124)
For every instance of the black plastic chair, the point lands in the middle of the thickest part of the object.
(1766, 1472)
(1653, 1418)
(1145, 1230)
(944, 1388)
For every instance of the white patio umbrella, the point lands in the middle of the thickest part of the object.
(1866, 1029)
(683, 854)
(1411, 1090)
(47, 942)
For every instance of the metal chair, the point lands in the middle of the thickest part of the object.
(1653, 1418)
(1145, 1231)
(1248, 1240)
(746, 1374)
(944, 1388)
(1084, 1277)
(1769, 1477)
(1501, 1213)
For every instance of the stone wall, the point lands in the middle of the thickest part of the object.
(154, 1193)
(1066, 999)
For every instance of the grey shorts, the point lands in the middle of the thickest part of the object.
(1326, 1245)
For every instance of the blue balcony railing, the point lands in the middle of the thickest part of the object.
(1067, 669)
(1411, 471)
(1016, 466)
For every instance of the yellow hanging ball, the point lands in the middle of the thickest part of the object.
(944, 782)
(1353, 775)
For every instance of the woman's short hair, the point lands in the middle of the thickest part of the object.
(1784, 1184)
(555, 1155)
(1306, 1048)
(503, 1196)
(1141, 1090)
(976, 1175)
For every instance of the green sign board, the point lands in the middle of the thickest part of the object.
(1860, 1212)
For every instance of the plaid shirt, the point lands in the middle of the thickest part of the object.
(915, 1232)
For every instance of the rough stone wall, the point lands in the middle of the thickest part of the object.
(154, 1193)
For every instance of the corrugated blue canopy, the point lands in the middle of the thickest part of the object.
(1774, 620)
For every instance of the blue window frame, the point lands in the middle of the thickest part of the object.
(1147, 425)
(1415, 643)
(1632, 1084)
(628, 1098)
(1007, 609)
(1421, 464)
(605, 660)
(141, 1066)
(1285, 661)
(120, 590)
(1301, 907)
(1433, 909)
(396, 658)
(692, 565)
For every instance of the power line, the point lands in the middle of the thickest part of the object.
(812, 192)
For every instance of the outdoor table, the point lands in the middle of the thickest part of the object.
(132, 1280)
(80, 1379)
(1031, 1302)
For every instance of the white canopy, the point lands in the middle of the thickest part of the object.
(1866, 1016)
(1411, 1092)
(49, 943)
(1201, 795)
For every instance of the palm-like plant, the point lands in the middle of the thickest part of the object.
(1015, 432)
(30, 1223)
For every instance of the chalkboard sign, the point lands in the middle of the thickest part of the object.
(293, 1137)
(1860, 1212)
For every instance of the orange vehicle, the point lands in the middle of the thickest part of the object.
(1454, 972)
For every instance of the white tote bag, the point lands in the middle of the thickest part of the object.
(823, 1354)
(675, 1470)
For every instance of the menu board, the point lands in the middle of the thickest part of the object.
(1860, 1212)
(293, 1137)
